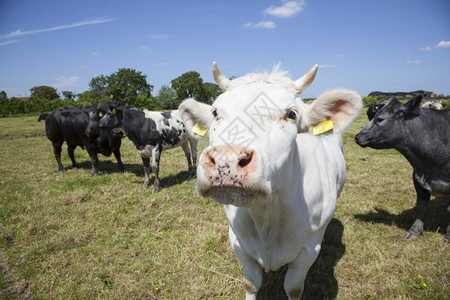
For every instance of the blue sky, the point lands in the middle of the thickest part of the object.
(384, 45)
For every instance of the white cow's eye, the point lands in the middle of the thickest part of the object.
(290, 115)
(214, 112)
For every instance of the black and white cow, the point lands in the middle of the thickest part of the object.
(78, 126)
(151, 133)
(432, 104)
(423, 137)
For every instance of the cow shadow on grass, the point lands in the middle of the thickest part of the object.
(110, 167)
(105, 166)
(436, 220)
(320, 282)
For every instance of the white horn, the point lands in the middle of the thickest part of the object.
(303, 82)
(220, 79)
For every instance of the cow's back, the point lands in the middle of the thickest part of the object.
(169, 126)
(68, 123)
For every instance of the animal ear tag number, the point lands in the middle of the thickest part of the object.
(200, 130)
(113, 112)
(323, 127)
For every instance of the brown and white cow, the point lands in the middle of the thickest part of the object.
(277, 180)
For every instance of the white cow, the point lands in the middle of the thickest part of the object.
(278, 182)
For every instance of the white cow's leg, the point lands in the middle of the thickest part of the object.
(253, 276)
(146, 163)
(187, 153)
(294, 280)
(193, 143)
(156, 155)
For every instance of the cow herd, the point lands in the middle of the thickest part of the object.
(273, 161)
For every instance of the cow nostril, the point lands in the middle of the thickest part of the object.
(213, 161)
(243, 162)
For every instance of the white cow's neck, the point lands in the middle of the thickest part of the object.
(267, 220)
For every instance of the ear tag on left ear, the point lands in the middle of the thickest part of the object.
(113, 112)
(198, 129)
(323, 127)
(100, 114)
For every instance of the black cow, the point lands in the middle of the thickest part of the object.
(151, 133)
(423, 137)
(78, 126)
(42, 117)
(373, 109)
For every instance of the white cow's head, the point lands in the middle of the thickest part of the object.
(252, 128)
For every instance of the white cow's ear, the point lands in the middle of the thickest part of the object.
(340, 107)
(196, 116)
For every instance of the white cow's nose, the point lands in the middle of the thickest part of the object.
(228, 165)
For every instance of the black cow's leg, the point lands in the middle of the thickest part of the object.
(423, 198)
(447, 234)
(70, 150)
(57, 147)
(119, 160)
(146, 163)
(187, 153)
(156, 155)
(94, 162)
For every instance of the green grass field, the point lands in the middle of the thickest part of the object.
(73, 236)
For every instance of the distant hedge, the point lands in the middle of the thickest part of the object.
(17, 106)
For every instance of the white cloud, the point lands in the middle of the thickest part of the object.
(64, 82)
(143, 48)
(413, 61)
(427, 48)
(7, 42)
(442, 44)
(159, 36)
(287, 10)
(95, 53)
(266, 24)
(19, 32)
(341, 55)
(327, 66)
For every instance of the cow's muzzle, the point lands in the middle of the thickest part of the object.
(230, 175)
(228, 166)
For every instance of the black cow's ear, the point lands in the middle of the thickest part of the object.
(413, 103)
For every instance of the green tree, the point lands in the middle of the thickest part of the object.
(99, 86)
(44, 92)
(4, 103)
(189, 85)
(146, 101)
(88, 98)
(125, 85)
(68, 95)
(212, 91)
(167, 98)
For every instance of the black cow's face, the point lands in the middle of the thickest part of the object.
(385, 130)
(110, 115)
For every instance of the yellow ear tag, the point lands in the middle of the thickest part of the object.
(100, 114)
(323, 127)
(113, 112)
(198, 129)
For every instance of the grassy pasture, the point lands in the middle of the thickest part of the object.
(73, 236)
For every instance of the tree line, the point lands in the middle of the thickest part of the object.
(126, 85)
